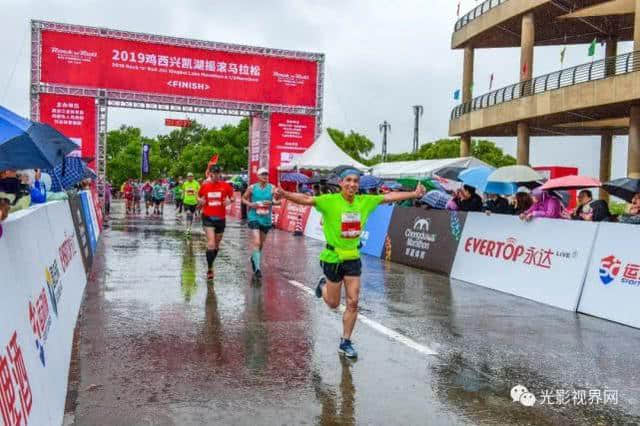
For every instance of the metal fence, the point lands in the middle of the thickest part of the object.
(479, 10)
(597, 70)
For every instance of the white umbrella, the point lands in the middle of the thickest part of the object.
(510, 174)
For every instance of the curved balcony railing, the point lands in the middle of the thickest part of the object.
(597, 70)
(476, 12)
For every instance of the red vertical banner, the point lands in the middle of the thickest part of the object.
(74, 117)
(291, 135)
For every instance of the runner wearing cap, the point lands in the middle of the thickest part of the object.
(259, 198)
(213, 196)
(190, 188)
(344, 216)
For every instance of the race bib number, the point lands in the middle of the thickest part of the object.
(190, 192)
(351, 226)
(215, 198)
(262, 210)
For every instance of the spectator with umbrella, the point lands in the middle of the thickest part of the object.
(546, 205)
(633, 214)
(588, 209)
(629, 190)
(466, 200)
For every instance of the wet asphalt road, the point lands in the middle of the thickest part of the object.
(155, 345)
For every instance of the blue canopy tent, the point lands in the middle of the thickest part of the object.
(25, 144)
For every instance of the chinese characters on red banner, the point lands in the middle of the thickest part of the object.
(101, 62)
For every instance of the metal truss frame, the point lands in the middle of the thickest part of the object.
(106, 98)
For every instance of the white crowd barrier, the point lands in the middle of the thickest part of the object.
(543, 260)
(42, 280)
(612, 287)
(313, 229)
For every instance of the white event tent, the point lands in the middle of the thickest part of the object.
(422, 168)
(324, 154)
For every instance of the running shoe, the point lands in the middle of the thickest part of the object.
(258, 274)
(210, 276)
(346, 349)
(321, 283)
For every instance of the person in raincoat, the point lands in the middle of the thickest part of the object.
(546, 205)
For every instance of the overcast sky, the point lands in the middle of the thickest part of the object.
(381, 58)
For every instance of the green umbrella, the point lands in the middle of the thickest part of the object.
(412, 183)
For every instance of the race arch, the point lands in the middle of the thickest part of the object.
(78, 72)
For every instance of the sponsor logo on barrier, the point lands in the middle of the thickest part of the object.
(14, 385)
(455, 226)
(52, 277)
(40, 323)
(511, 250)
(419, 239)
(67, 251)
(610, 267)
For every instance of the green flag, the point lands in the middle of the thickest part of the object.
(592, 48)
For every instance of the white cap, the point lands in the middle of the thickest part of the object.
(262, 171)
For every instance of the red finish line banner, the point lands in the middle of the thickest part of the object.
(101, 62)
(74, 117)
(174, 122)
(291, 135)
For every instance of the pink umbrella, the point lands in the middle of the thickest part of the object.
(571, 182)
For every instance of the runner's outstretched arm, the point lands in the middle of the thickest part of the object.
(246, 198)
(392, 197)
(297, 198)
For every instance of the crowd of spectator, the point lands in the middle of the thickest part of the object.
(529, 205)
(20, 189)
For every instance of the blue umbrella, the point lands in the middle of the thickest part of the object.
(294, 177)
(476, 177)
(74, 171)
(501, 188)
(436, 199)
(25, 144)
(369, 182)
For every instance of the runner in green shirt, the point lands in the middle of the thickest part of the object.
(344, 216)
(178, 193)
(190, 199)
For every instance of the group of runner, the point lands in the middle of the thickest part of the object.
(153, 194)
(344, 216)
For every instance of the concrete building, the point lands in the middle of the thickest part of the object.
(597, 98)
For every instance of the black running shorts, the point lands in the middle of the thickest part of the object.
(256, 225)
(213, 222)
(336, 272)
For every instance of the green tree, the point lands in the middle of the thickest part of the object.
(484, 150)
(177, 153)
(354, 144)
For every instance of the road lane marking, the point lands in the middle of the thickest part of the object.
(392, 334)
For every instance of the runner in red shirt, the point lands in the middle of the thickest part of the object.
(214, 194)
(127, 189)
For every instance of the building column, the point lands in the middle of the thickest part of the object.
(611, 50)
(467, 84)
(605, 162)
(633, 159)
(527, 42)
(523, 144)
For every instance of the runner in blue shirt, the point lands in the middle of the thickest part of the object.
(259, 199)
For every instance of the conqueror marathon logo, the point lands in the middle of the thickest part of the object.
(418, 238)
